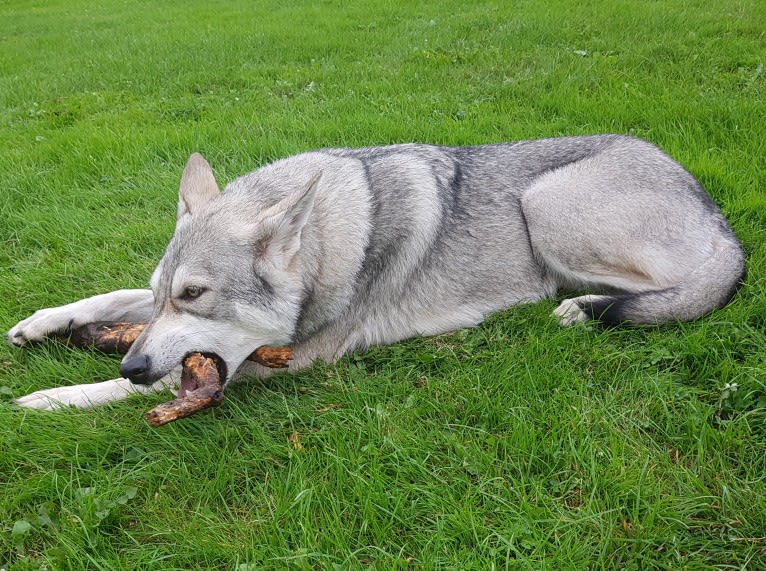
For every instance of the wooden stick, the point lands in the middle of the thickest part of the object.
(272, 357)
(106, 336)
(203, 373)
(117, 337)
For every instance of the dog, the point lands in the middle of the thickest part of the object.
(340, 249)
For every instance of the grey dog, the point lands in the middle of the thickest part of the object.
(339, 249)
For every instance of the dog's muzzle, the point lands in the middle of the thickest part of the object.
(136, 368)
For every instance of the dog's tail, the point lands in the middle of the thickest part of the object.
(710, 286)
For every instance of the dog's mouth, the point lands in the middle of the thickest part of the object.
(203, 378)
(201, 388)
(189, 382)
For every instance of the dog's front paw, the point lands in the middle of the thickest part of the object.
(94, 394)
(41, 323)
(80, 396)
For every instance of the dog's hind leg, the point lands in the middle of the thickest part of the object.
(707, 288)
(121, 305)
(637, 229)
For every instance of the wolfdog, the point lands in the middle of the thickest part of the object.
(339, 249)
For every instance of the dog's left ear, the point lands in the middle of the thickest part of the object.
(280, 226)
(198, 186)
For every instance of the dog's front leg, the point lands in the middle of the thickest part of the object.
(94, 394)
(121, 305)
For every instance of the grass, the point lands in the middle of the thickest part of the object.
(514, 445)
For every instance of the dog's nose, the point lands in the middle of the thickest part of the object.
(136, 368)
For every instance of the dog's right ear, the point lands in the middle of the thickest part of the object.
(198, 186)
(280, 227)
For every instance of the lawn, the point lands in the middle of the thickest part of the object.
(518, 444)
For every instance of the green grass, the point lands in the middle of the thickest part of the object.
(515, 445)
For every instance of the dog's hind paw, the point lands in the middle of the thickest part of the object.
(570, 312)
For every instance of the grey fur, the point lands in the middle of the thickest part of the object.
(339, 249)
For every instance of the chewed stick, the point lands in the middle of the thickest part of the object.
(117, 337)
(203, 373)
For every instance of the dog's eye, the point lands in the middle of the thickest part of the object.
(192, 292)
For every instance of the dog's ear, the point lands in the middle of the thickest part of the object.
(198, 186)
(280, 226)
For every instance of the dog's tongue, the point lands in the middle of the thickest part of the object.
(188, 384)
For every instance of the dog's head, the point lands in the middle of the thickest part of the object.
(231, 278)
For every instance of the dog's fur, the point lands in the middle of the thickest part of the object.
(340, 249)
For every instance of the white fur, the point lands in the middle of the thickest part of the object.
(570, 312)
(90, 395)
